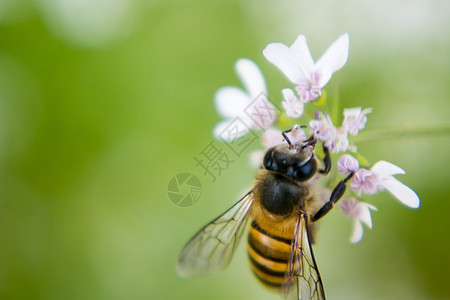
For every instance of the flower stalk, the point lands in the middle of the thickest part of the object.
(404, 131)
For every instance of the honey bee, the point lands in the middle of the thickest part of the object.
(283, 206)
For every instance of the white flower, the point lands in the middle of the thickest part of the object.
(341, 143)
(365, 181)
(272, 137)
(360, 213)
(293, 106)
(381, 177)
(324, 130)
(298, 66)
(355, 119)
(233, 102)
(297, 135)
(256, 158)
(347, 164)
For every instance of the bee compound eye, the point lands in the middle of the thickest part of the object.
(306, 171)
(268, 160)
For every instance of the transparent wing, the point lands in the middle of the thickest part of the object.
(302, 280)
(211, 249)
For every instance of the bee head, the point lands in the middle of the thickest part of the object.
(295, 161)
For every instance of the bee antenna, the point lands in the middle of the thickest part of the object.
(285, 136)
(296, 127)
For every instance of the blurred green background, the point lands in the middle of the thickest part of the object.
(102, 102)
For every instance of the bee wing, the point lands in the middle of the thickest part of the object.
(302, 280)
(211, 249)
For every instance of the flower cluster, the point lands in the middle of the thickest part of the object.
(309, 79)
(378, 178)
(337, 138)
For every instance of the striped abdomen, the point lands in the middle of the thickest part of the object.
(268, 254)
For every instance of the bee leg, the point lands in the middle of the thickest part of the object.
(336, 195)
(326, 161)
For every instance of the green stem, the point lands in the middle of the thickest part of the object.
(403, 131)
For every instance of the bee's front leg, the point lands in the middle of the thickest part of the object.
(326, 161)
(336, 195)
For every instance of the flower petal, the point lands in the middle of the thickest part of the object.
(352, 112)
(302, 56)
(220, 128)
(341, 142)
(297, 135)
(400, 191)
(292, 105)
(323, 77)
(272, 137)
(231, 101)
(324, 129)
(355, 119)
(336, 55)
(256, 158)
(220, 133)
(365, 180)
(288, 94)
(367, 111)
(347, 164)
(364, 215)
(357, 232)
(279, 54)
(251, 77)
(349, 207)
(385, 169)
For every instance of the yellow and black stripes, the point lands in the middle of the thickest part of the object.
(268, 254)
